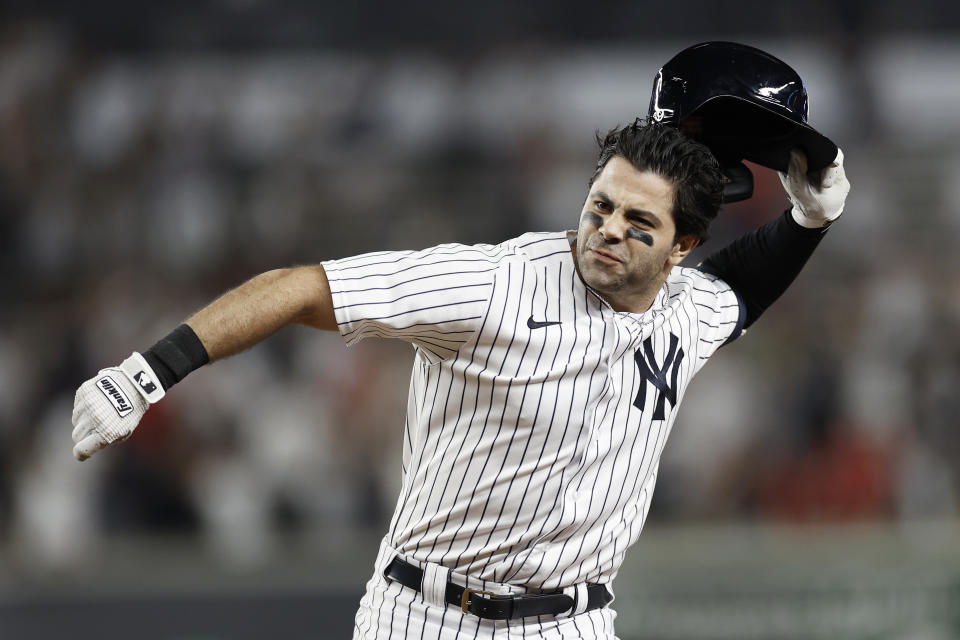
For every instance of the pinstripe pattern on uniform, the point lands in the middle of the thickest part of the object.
(526, 459)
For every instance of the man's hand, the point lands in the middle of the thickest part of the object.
(817, 198)
(108, 407)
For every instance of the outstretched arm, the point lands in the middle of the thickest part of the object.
(258, 308)
(108, 407)
(761, 265)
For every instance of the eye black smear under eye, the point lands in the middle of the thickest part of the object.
(642, 236)
(593, 219)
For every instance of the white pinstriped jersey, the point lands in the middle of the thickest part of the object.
(537, 414)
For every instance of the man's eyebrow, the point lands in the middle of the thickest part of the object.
(600, 195)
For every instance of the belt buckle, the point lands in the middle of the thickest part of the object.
(465, 598)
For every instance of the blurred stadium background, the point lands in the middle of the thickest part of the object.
(153, 156)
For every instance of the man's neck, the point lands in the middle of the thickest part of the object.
(636, 302)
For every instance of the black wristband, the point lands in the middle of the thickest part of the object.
(176, 355)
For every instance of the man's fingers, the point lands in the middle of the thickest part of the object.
(834, 173)
(78, 406)
(838, 161)
(784, 180)
(830, 176)
(82, 425)
(798, 163)
(799, 159)
(799, 181)
(88, 446)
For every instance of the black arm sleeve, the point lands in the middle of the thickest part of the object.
(761, 265)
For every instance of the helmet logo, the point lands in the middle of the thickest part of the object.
(771, 92)
(657, 112)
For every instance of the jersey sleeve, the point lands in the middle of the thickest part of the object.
(434, 298)
(720, 312)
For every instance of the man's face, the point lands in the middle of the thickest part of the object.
(625, 240)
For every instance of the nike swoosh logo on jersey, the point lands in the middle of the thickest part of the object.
(533, 324)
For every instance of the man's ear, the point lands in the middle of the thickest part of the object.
(682, 248)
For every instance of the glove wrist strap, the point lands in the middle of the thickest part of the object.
(143, 377)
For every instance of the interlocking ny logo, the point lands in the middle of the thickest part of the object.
(657, 375)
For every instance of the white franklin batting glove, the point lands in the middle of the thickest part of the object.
(109, 406)
(817, 199)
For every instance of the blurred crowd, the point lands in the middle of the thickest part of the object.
(135, 188)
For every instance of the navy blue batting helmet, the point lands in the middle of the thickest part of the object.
(742, 103)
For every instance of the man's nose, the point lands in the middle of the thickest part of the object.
(614, 228)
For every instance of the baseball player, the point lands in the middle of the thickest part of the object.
(548, 369)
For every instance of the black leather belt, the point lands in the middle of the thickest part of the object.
(494, 606)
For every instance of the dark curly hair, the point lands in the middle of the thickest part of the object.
(662, 149)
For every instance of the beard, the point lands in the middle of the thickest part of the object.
(635, 273)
